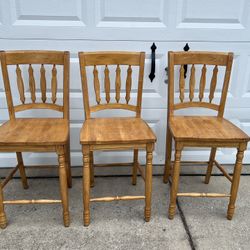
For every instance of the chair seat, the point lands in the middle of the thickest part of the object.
(38, 131)
(205, 128)
(116, 130)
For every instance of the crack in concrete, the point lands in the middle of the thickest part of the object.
(184, 222)
(186, 227)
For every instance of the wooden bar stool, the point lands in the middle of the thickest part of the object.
(120, 133)
(36, 134)
(201, 131)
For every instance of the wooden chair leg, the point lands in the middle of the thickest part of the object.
(3, 220)
(236, 181)
(63, 185)
(92, 170)
(134, 170)
(86, 185)
(22, 170)
(167, 168)
(148, 182)
(175, 181)
(210, 165)
(68, 164)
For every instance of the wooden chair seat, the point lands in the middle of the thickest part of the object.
(123, 130)
(205, 128)
(42, 131)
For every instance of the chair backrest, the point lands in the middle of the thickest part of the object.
(51, 59)
(105, 59)
(194, 59)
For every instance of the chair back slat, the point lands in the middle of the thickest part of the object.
(54, 84)
(182, 83)
(107, 83)
(32, 84)
(128, 83)
(213, 83)
(118, 84)
(43, 83)
(202, 82)
(192, 83)
(42, 58)
(20, 84)
(213, 62)
(119, 60)
(97, 85)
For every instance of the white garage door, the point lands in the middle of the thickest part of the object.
(90, 25)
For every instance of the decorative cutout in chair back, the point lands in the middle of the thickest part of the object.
(207, 61)
(117, 60)
(40, 59)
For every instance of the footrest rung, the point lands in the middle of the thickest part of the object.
(193, 162)
(117, 198)
(223, 171)
(124, 164)
(41, 201)
(10, 176)
(139, 167)
(209, 195)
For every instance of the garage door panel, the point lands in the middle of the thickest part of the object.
(120, 14)
(132, 26)
(205, 14)
(47, 13)
(245, 90)
(132, 20)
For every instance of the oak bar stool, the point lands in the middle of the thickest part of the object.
(201, 131)
(114, 133)
(36, 134)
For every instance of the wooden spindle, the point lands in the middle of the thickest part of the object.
(118, 84)
(43, 83)
(182, 83)
(202, 82)
(117, 198)
(128, 83)
(107, 83)
(192, 83)
(32, 84)
(213, 83)
(20, 84)
(208, 195)
(54, 83)
(96, 85)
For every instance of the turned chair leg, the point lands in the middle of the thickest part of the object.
(148, 182)
(86, 185)
(210, 165)
(68, 164)
(63, 185)
(167, 169)
(92, 170)
(22, 170)
(236, 181)
(134, 169)
(175, 181)
(3, 220)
